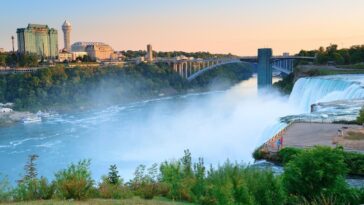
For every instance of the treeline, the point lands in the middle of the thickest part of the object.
(170, 54)
(18, 60)
(344, 56)
(61, 87)
(313, 176)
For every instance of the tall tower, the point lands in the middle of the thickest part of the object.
(149, 53)
(264, 67)
(67, 28)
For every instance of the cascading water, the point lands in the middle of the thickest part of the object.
(344, 92)
(308, 91)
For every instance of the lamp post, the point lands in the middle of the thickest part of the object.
(12, 41)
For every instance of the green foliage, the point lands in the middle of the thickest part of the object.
(286, 84)
(360, 118)
(5, 189)
(355, 163)
(145, 182)
(353, 55)
(113, 177)
(287, 154)
(34, 189)
(228, 184)
(74, 182)
(30, 187)
(312, 176)
(30, 168)
(113, 191)
(317, 172)
(19, 60)
(237, 184)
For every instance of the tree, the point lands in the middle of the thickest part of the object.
(360, 118)
(30, 167)
(317, 172)
(113, 177)
(75, 181)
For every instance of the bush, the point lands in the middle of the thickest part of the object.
(145, 183)
(5, 189)
(355, 163)
(75, 182)
(34, 189)
(317, 172)
(114, 191)
(112, 186)
(257, 154)
(265, 188)
(360, 118)
(287, 154)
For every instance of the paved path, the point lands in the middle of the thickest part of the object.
(311, 134)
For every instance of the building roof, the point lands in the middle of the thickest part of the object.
(66, 23)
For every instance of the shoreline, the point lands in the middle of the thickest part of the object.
(15, 116)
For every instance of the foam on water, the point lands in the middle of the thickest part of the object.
(216, 126)
(308, 91)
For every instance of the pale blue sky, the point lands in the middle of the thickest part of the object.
(237, 26)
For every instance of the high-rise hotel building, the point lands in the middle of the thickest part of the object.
(38, 39)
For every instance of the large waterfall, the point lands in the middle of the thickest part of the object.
(308, 91)
(345, 92)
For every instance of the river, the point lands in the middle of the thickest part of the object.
(215, 125)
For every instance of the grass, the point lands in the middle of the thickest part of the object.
(133, 201)
(355, 136)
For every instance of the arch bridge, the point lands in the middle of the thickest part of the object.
(265, 63)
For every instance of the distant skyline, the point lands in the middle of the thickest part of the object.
(217, 26)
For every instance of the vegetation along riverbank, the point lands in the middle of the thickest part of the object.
(311, 176)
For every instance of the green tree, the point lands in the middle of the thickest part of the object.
(30, 167)
(360, 118)
(317, 172)
(113, 177)
(74, 182)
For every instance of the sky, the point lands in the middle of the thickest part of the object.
(218, 26)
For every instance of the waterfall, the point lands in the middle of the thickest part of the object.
(308, 91)
(311, 90)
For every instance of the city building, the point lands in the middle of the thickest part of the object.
(64, 55)
(99, 52)
(149, 55)
(67, 28)
(80, 54)
(38, 39)
(2, 50)
(95, 50)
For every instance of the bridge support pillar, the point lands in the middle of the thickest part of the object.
(264, 68)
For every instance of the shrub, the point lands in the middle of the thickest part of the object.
(112, 186)
(355, 163)
(360, 118)
(265, 188)
(287, 154)
(33, 189)
(74, 182)
(227, 185)
(145, 182)
(113, 191)
(30, 187)
(257, 154)
(317, 172)
(5, 189)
